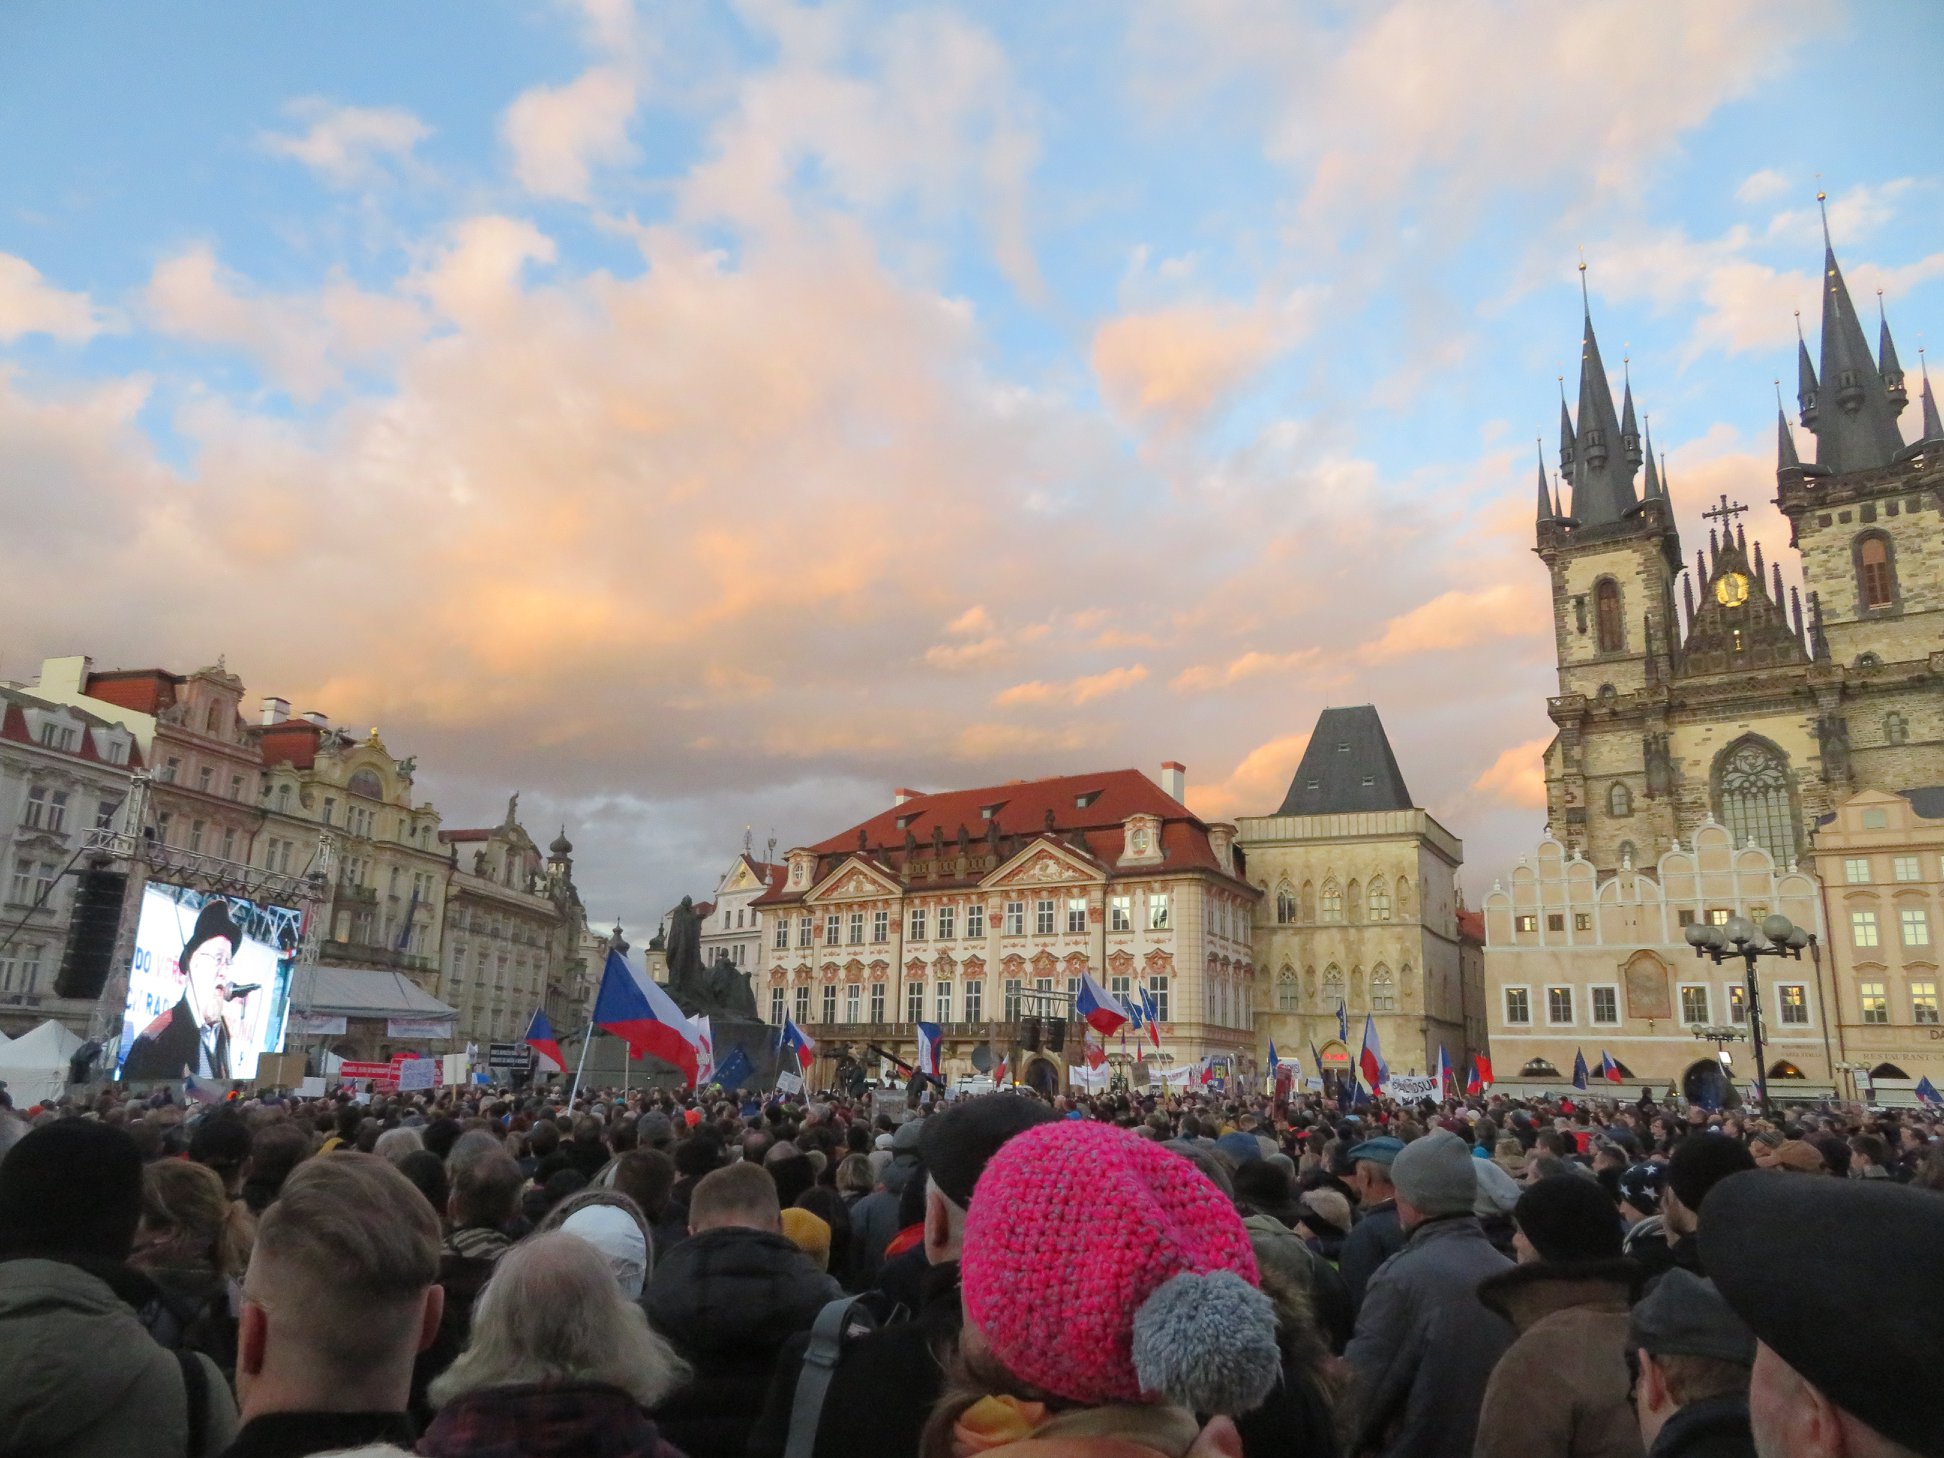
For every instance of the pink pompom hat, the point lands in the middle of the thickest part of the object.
(1102, 1268)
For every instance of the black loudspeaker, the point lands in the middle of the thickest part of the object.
(1056, 1035)
(93, 926)
(1029, 1033)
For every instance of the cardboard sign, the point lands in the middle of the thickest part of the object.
(1409, 1088)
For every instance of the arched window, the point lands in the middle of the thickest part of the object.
(366, 782)
(1383, 991)
(1752, 788)
(1332, 905)
(1285, 904)
(1379, 902)
(213, 721)
(1538, 1068)
(1619, 799)
(1896, 729)
(1307, 906)
(1286, 991)
(1876, 572)
(1867, 660)
(1606, 616)
(1356, 901)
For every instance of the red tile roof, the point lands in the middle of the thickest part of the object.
(1088, 815)
(1471, 926)
(145, 690)
(13, 726)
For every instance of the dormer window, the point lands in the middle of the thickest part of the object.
(905, 822)
(1343, 746)
(991, 812)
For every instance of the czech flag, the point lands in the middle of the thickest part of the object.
(540, 1038)
(645, 1017)
(1151, 1017)
(1927, 1092)
(1370, 1061)
(802, 1047)
(1446, 1078)
(1609, 1070)
(1579, 1069)
(931, 1040)
(1104, 1012)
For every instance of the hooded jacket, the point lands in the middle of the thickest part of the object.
(1560, 1390)
(82, 1379)
(728, 1299)
(1425, 1345)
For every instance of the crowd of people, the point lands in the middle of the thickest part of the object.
(652, 1274)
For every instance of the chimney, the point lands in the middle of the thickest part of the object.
(1174, 779)
(898, 797)
(275, 711)
(316, 717)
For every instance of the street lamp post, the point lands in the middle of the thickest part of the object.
(1739, 937)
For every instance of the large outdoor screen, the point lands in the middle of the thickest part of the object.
(209, 986)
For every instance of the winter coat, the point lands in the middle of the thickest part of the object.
(1425, 1345)
(1115, 1432)
(545, 1420)
(1374, 1239)
(1714, 1427)
(874, 1223)
(728, 1299)
(1560, 1390)
(883, 1388)
(80, 1378)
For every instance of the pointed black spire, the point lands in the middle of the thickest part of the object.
(1818, 640)
(1758, 561)
(1666, 488)
(1603, 473)
(1547, 512)
(1687, 597)
(1775, 595)
(1887, 365)
(1786, 458)
(1933, 426)
(1805, 379)
(1650, 486)
(1629, 431)
(1795, 612)
(1860, 433)
(1566, 443)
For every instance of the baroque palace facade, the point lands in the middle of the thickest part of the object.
(1708, 723)
(969, 908)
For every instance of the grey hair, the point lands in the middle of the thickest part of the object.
(471, 1145)
(552, 1313)
(395, 1144)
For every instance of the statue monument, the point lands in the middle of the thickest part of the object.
(718, 990)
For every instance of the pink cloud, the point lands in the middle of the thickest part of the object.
(1518, 776)
(1083, 690)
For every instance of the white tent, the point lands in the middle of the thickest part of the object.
(35, 1065)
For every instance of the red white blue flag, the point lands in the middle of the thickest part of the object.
(1370, 1060)
(931, 1044)
(1103, 1012)
(1609, 1070)
(644, 1016)
(801, 1047)
(540, 1038)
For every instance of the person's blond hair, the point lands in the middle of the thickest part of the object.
(552, 1313)
(188, 1219)
(348, 1248)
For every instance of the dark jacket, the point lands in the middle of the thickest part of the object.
(874, 1223)
(80, 1378)
(728, 1299)
(545, 1420)
(1374, 1239)
(884, 1386)
(299, 1434)
(1572, 1348)
(1715, 1427)
(463, 1277)
(171, 1044)
(1425, 1344)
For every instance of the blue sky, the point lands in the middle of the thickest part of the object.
(707, 415)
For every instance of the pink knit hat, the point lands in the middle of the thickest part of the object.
(1101, 1267)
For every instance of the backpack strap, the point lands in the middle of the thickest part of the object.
(195, 1388)
(839, 1319)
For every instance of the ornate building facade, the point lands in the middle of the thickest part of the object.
(958, 908)
(1694, 695)
(1358, 912)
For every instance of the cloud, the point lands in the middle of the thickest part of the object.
(1176, 366)
(559, 135)
(1256, 785)
(1249, 665)
(1463, 618)
(1763, 186)
(1083, 690)
(347, 146)
(965, 655)
(302, 342)
(974, 620)
(1518, 776)
(29, 304)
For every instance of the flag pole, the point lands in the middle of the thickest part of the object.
(586, 1039)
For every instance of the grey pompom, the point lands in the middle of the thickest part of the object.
(1207, 1343)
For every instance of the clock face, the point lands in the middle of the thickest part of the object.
(1731, 590)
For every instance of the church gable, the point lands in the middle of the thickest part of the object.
(1741, 621)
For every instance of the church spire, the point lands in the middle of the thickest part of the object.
(1629, 431)
(1933, 426)
(1566, 443)
(1650, 486)
(1805, 379)
(1547, 511)
(1603, 476)
(1887, 365)
(1861, 433)
(1786, 458)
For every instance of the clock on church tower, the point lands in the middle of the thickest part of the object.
(1731, 589)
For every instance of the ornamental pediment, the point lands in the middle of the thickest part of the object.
(1043, 863)
(854, 880)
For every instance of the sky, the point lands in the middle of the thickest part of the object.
(708, 416)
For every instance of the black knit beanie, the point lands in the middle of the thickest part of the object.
(71, 1189)
(1568, 1217)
